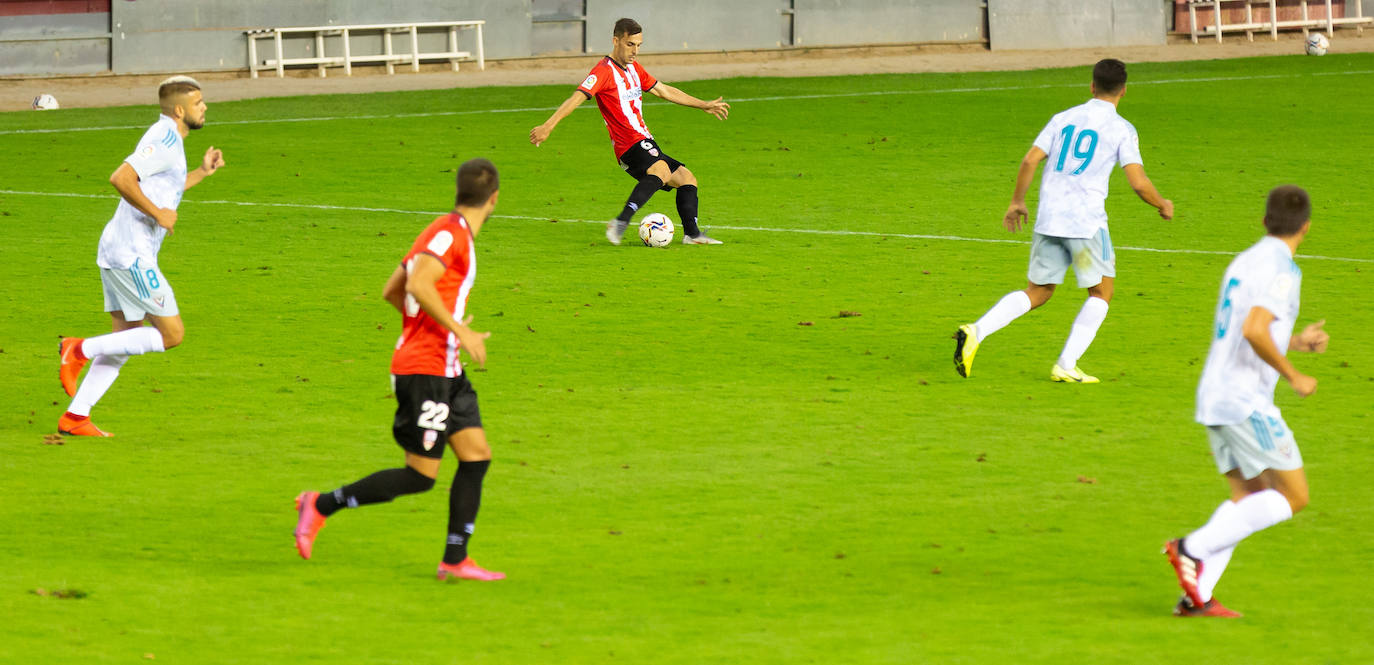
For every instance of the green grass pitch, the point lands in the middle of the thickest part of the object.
(698, 459)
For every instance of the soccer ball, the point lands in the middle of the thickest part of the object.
(44, 103)
(656, 230)
(1317, 44)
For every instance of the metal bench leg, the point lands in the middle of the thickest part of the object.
(348, 54)
(481, 58)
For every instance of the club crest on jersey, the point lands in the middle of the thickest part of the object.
(589, 82)
(649, 147)
(431, 437)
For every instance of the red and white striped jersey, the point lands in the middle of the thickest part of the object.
(617, 91)
(425, 346)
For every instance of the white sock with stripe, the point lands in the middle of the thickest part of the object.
(102, 374)
(133, 342)
(1008, 309)
(1256, 512)
(1214, 566)
(1084, 329)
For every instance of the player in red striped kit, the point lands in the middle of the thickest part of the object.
(618, 83)
(435, 404)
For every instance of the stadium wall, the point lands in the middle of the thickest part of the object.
(152, 36)
(76, 42)
(1051, 24)
(156, 36)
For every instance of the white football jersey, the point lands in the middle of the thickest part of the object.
(160, 161)
(1083, 144)
(1235, 381)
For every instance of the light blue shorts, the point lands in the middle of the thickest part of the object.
(1091, 258)
(1261, 442)
(138, 291)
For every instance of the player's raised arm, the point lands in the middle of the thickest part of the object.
(421, 284)
(125, 181)
(541, 133)
(1312, 339)
(715, 107)
(1017, 212)
(1256, 332)
(213, 159)
(1135, 175)
(395, 290)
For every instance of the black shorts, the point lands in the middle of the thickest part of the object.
(430, 409)
(637, 159)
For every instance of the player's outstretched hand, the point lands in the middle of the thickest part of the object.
(1015, 217)
(1313, 338)
(717, 108)
(1303, 385)
(1167, 211)
(539, 135)
(214, 159)
(472, 341)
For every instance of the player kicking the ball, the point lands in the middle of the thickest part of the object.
(435, 403)
(1251, 444)
(618, 83)
(1082, 144)
(150, 183)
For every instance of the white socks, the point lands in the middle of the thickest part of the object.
(133, 342)
(1006, 310)
(102, 374)
(108, 353)
(1228, 527)
(1084, 329)
(1213, 567)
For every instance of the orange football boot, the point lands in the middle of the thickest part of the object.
(309, 524)
(468, 569)
(69, 349)
(74, 425)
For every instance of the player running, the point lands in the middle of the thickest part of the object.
(1250, 442)
(435, 403)
(150, 183)
(1082, 144)
(618, 83)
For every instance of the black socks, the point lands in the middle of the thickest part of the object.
(646, 188)
(463, 500)
(687, 210)
(379, 487)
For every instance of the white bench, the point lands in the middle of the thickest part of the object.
(347, 59)
(1250, 25)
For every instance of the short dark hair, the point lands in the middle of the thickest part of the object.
(626, 26)
(1287, 210)
(1109, 76)
(477, 181)
(175, 86)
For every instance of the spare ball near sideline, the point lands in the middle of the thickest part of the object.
(1317, 44)
(44, 103)
(656, 230)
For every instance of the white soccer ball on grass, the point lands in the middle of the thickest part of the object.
(44, 103)
(656, 230)
(1317, 44)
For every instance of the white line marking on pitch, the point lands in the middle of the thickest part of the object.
(778, 98)
(829, 232)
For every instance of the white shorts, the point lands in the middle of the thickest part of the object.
(1091, 258)
(1262, 442)
(138, 291)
